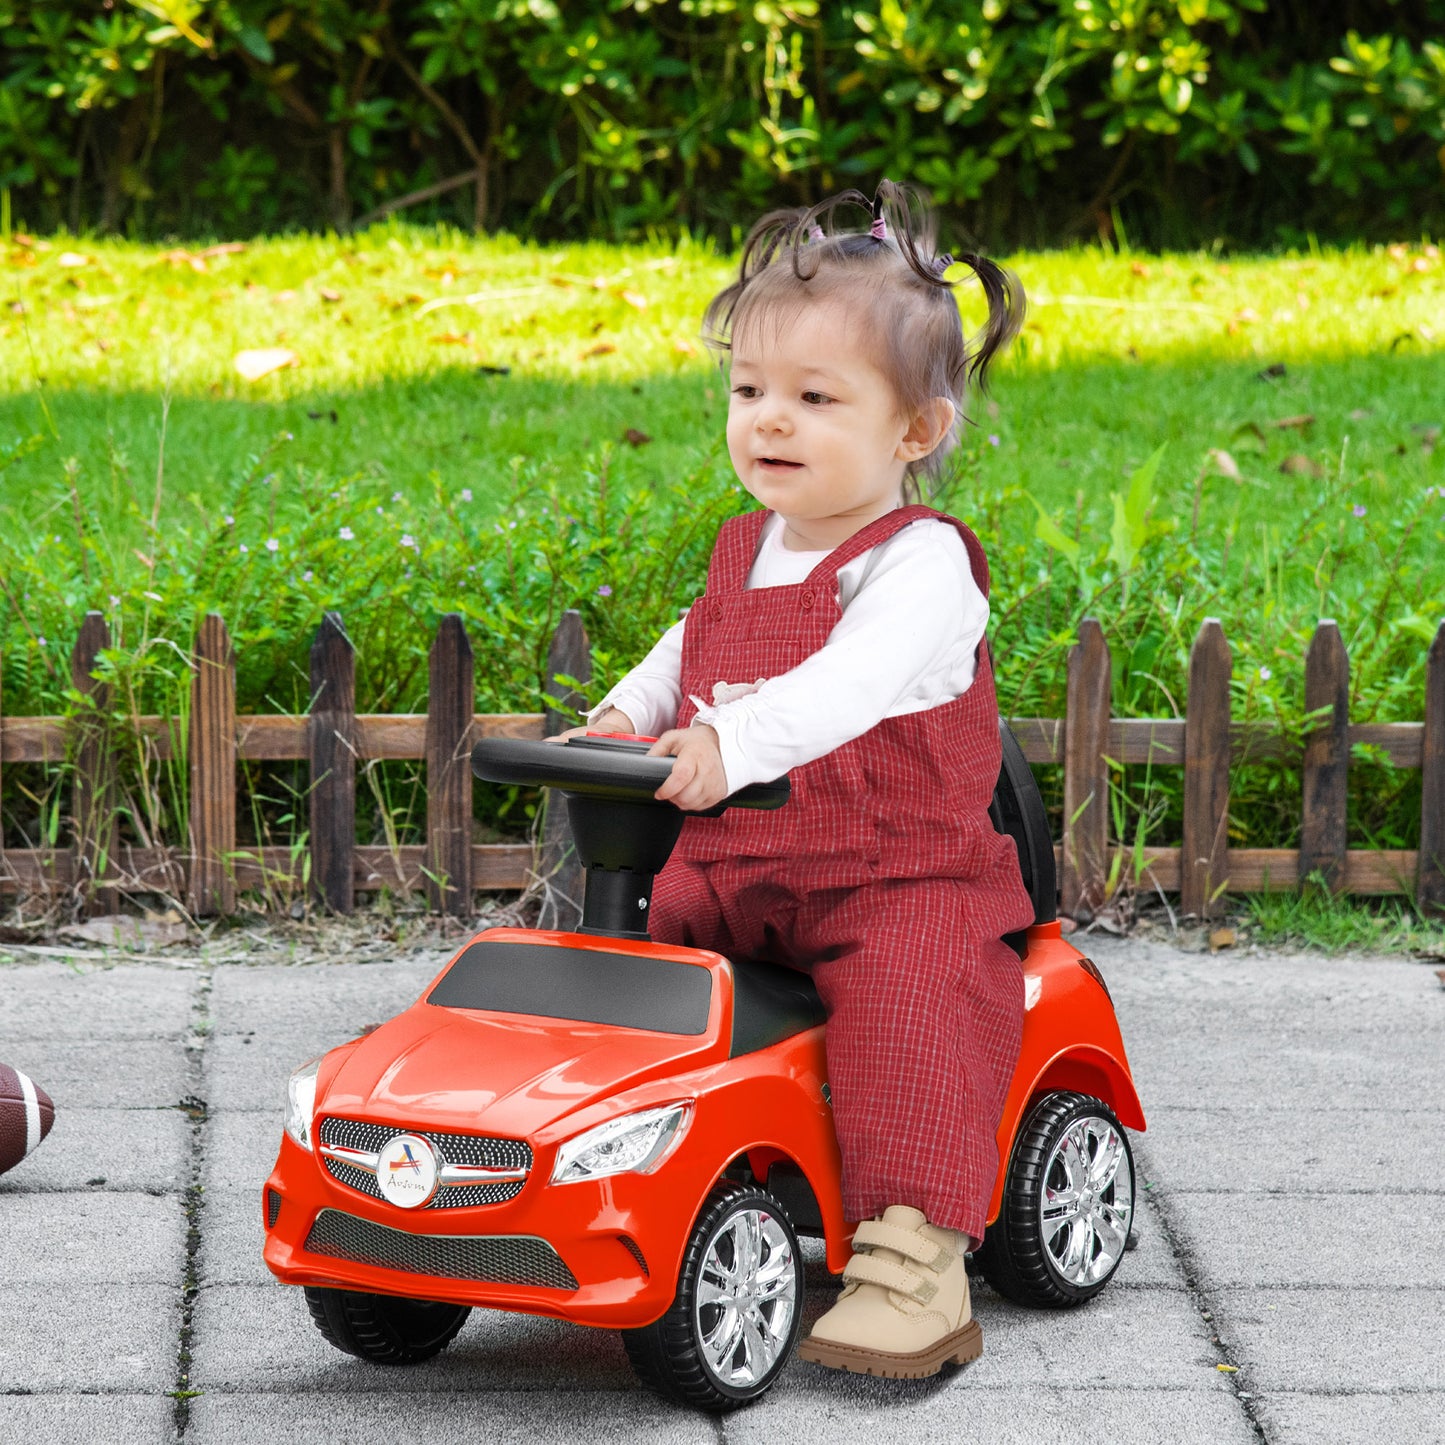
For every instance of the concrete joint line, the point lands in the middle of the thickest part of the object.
(194, 1199)
(1221, 1333)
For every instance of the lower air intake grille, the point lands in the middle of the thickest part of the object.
(492, 1259)
(273, 1208)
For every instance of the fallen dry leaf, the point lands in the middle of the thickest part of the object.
(253, 365)
(69, 260)
(328, 293)
(634, 299)
(1221, 938)
(684, 348)
(1225, 464)
(1361, 413)
(635, 438)
(121, 930)
(225, 248)
(1272, 372)
(1298, 465)
(603, 348)
(181, 257)
(1297, 422)
(452, 338)
(1139, 268)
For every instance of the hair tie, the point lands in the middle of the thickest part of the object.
(941, 264)
(879, 229)
(815, 232)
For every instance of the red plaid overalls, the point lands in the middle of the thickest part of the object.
(883, 878)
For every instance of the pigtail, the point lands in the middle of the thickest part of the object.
(1006, 309)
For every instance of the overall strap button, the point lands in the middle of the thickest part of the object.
(806, 600)
(716, 610)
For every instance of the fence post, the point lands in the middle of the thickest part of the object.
(570, 655)
(331, 743)
(451, 701)
(94, 797)
(213, 770)
(1323, 835)
(1430, 883)
(1084, 885)
(1204, 860)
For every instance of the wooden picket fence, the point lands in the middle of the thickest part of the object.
(449, 867)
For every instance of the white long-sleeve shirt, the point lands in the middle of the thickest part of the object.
(912, 620)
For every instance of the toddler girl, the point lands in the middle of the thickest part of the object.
(841, 639)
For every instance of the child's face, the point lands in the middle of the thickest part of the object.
(815, 431)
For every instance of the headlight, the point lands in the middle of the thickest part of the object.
(301, 1102)
(633, 1144)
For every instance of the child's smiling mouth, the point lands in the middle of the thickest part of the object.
(777, 462)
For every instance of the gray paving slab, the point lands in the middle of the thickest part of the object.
(82, 1339)
(95, 1238)
(344, 997)
(957, 1410)
(126, 1149)
(1372, 1240)
(245, 1072)
(1300, 1419)
(95, 1001)
(88, 1419)
(1335, 1340)
(1311, 1150)
(241, 1147)
(103, 1073)
(232, 1236)
(364, 1417)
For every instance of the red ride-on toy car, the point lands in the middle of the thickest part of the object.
(618, 1132)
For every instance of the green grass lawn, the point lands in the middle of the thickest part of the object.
(509, 430)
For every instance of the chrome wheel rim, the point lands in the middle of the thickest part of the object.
(1088, 1201)
(747, 1294)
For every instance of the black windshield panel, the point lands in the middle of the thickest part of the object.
(581, 985)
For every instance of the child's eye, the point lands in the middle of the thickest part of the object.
(816, 398)
(747, 393)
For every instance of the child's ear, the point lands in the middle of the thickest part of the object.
(930, 424)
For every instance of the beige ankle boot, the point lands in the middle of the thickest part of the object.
(904, 1310)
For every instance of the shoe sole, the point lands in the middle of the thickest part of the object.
(958, 1349)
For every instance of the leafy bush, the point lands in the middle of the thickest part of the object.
(1174, 121)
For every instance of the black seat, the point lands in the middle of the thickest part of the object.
(1017, 811)
(771, 1002)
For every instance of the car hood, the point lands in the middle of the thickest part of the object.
(469, 1071)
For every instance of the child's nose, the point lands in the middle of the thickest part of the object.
(773, 416)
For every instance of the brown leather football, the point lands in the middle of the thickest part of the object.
(26, 1115)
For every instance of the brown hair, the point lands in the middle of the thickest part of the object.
(893, 272)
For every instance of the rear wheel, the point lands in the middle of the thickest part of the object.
(383, 1328)
(1068, 1205)
(738, 1309)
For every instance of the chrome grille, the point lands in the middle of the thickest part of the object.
(490, 1259)
(452, 1148)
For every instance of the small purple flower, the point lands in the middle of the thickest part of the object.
(396, 496)
(604, 591)
(1265, 674)
(347, 535)
(243, 548)
(1359, 510)
(230, 521)
(272, 545)
(114, 600)
(407, 540)
(993, 438)
(42, 642)
(466, 494)
(306, 576)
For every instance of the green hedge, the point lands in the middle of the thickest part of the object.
(1179, 122)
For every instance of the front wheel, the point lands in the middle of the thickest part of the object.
(1068, 1205)
(738, 1309)
(383, 1328)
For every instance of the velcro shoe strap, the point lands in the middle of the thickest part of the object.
(865, 1269)
(874, 1234)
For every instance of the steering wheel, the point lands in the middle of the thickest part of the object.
(603, 767)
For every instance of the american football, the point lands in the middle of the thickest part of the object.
(26, 1115)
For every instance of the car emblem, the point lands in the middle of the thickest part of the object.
(406, 1171)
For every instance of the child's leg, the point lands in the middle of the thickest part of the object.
(924, 1025)
(686, 909)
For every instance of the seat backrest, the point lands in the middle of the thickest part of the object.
(1017, 811)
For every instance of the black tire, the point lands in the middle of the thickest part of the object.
(1016, 1257)
(383, 1328)
(671, 1356)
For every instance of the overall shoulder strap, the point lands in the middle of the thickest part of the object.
(889, 525)
(734, 550)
